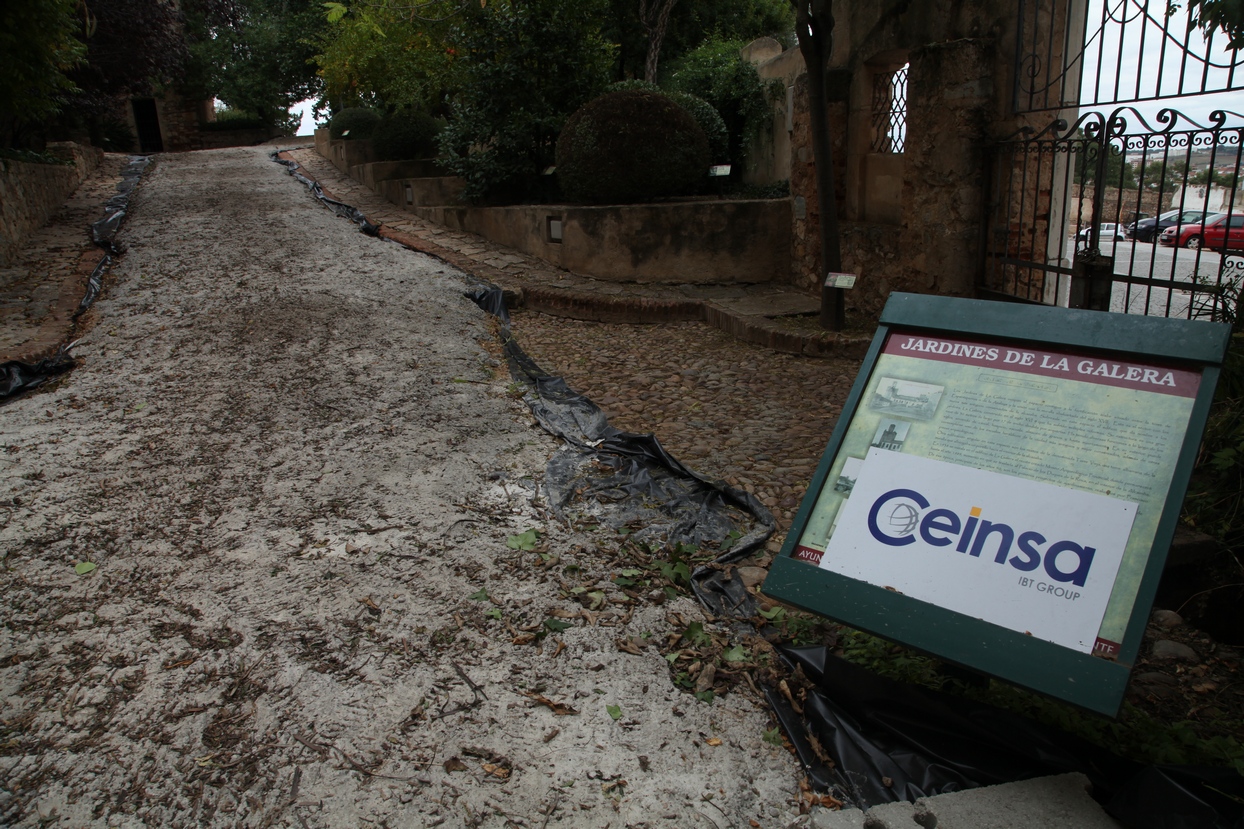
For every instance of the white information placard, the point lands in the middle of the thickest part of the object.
(1029, 556)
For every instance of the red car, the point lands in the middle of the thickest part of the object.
(1222, 231)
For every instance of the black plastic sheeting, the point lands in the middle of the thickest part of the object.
(892, 742)
(104, 231)
(879, 741)
(340, 208)
(624, 479)
(17, 376)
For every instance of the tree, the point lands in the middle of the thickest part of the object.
(388, 54)
(521, 68)
(255, 55)
(1226, 16)
(38, 48)
(690, 23)
(655, 17)
(814, 26)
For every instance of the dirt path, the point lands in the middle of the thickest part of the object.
(295, 469)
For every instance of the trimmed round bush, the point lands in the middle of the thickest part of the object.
(710, 121)
(405, 135)
(701, 110)
(359, 122)
(630, 146)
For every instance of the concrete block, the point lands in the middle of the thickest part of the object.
(900, 815)
(830, 819)
(1029, 804)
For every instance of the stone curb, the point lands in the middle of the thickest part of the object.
(593, 307)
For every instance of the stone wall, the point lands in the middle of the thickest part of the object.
(704, 242)
(911, 220)
(31, 194)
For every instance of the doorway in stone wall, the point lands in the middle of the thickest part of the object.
(147, 122)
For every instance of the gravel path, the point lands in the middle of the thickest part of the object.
(261, 564)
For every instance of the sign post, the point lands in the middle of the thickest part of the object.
(1003, 485)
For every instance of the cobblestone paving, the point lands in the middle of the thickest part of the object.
(757, 418)
(41, 290)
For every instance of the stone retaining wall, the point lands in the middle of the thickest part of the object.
(30, 194)
(708, 242)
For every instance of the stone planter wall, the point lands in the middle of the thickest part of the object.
(684, 242)
(30, 194)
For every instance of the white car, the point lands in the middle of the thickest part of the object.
(1108, 231)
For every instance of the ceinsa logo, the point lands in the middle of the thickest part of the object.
(897, 517)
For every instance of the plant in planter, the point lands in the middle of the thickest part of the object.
(631, 146)
(354, 123)
(404, 135)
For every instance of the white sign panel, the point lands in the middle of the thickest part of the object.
(1033, 557)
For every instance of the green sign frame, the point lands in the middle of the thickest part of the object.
(1090, 681)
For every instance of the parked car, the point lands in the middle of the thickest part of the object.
(1222, 231)
(1108, 231)
(1148, 230)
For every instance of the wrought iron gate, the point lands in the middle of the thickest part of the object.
(1080, 210)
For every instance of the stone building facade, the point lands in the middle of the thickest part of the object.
(912, 192)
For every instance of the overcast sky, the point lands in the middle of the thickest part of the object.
(1116, 39)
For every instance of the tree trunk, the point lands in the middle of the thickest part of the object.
(655, 17)
(814, 26)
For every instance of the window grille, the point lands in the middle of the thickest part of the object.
(890, 111)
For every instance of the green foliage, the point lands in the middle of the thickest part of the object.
(524, 541)
(37, 48)
(630, 147)
(113, 135)
(521, 68)
(691, 21)
(257, 58)
(405, 135)
(710, 122)
(378, 54)
(354, 124)
(234, 119)
(698, 108)
(717, 73)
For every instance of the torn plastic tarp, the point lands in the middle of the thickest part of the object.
(17, 376)
(104, 231)
(889, 742)
(340, 208)
(623, 479)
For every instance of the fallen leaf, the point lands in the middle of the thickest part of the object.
(630, 646)
(561, 709)
(713, 741)
(455, 764)
(84, 567)
(496, 770)
(615, 711)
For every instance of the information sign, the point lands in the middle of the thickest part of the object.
(1003, 485)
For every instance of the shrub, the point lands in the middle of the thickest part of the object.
(359, 122)
(520, 70)
(701, 110)
(717, 73)
(630, 146)
(234, 119)
(113, 135)
(405, 135)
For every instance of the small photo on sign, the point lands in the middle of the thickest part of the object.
(910, 399)
(846, 478)
(891, 434)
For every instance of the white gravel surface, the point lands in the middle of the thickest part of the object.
(294, 462)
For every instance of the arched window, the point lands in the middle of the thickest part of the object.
(890, 110)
